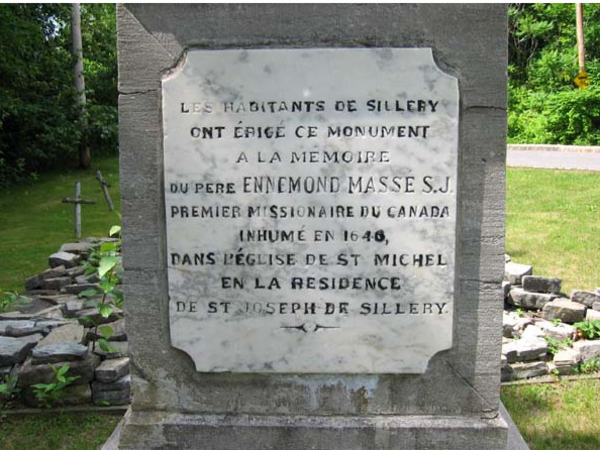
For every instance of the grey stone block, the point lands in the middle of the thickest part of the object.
(522, 371)
(592, 314)
(63, 259)
(54, 272)
(542, 285)
(34, 282)
(42, 373)
(78, 288)
(72, 332)
(565, 361)
(119, 332)
(15, 350)
(60, 299)
(585, 298)
(587, 350)
(77, 247)
(116, 393)
(59, 352)
(112, 369)
(514, 272)
(530, 300)
(565, 310)
(506, 288)
(56, 284)
(526, 349)
(560, 331)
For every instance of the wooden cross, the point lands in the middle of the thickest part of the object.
(104, 186)
(78, 201)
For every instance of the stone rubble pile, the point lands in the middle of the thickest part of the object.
(538, 333)
(52, 329)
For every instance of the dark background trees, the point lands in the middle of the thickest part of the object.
(38, 113)
(545, 105)
(38, 129)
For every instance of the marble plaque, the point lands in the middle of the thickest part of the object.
(311, 209)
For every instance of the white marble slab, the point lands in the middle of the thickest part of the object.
(251, 140)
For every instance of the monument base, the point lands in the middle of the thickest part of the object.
(154, 430)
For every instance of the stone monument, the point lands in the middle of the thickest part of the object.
(313, 216)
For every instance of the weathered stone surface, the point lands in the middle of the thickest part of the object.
(60, 299)
(72, 332)
(115, 393)
(34, 282)
(77, 288)
(560, 331)
(53, 313)
(592, 314)
(521, 371)
(565, 310)
(119, 332)
(530, 300)
(509, 324)
(543, 285)
(532, 332)
(56, 284)
(525, 349)
(75, 271)
(42, 373)
(506, 288)
(54, 272)
(77, 247)
(6, 324)
(63, 259)
(22, 330)
(87, 279)
(112, 369)
(585, 298)
(72, 307)
(514, 272)
(587, 349)
(481, 244)
(5, 370)
(565, 361)
(596, 306)
(15, 350)
(92, 317)
(121, 350)
(59, 352)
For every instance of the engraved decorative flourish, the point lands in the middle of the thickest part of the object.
(309, 327)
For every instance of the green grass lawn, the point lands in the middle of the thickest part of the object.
(56, 431)
(560, 416)
(34, 223)
(553, 223)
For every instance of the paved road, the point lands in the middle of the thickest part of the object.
(554, 160)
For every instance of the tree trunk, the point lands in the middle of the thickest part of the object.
(84, 151)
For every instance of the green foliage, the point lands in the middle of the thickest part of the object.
(589, 367)
(49, 394)
(545, 106)
(38, 128)
(9, 300)
(554, 345)
(589, 329)
(8, 391)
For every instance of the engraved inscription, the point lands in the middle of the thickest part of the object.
(311, 209)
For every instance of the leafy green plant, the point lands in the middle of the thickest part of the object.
(50, 393)
(9, 300)
(105, 262)
(589, 329)
(554, 345)
(555, 322)
(588, 367)
(8, 391)
(520, 312)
